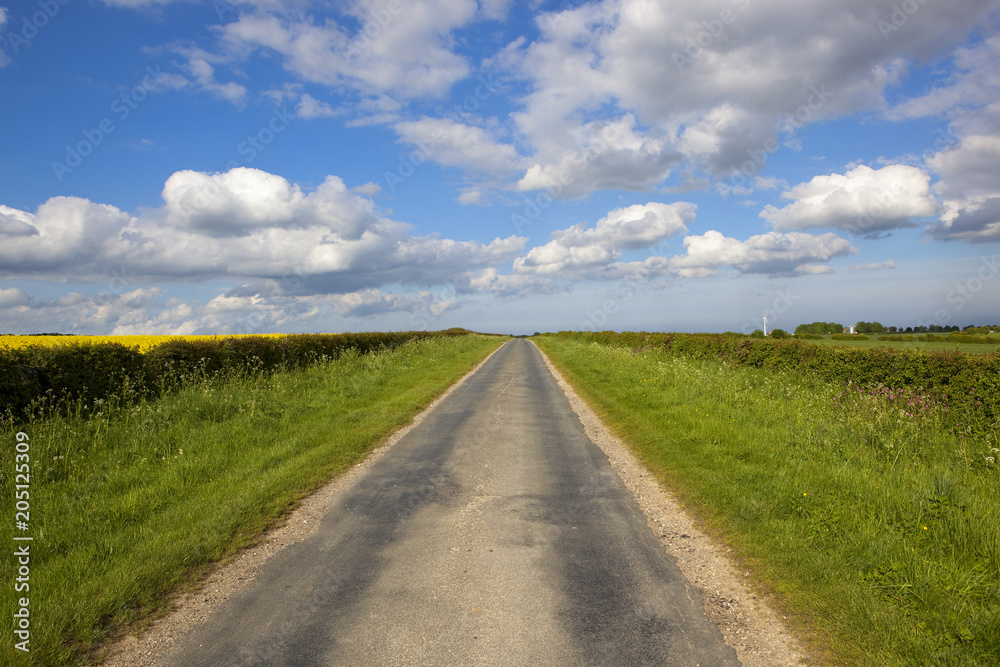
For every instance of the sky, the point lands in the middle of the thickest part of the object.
(509, 166)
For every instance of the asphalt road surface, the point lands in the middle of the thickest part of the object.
(493, 533)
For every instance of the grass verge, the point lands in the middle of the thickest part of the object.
(133, 501)
(877, 529)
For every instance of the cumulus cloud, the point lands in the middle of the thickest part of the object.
(714, 81)
(309, 107)
(578, 252)
(967, 183)
(244, 223)
(241, 200)
(968, 156)
(404, 52)
(15, 223)
(770, 253)
(861, 201)
(63, 232)
(12, 297)
(971, 221)
(454, 144)
(604, 154)
(204, 76)
(976, 82)
(80, 313)
(491, 281)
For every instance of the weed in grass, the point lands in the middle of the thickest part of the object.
(133, 498)
(873, 519)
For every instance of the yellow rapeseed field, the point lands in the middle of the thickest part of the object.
(140, 343)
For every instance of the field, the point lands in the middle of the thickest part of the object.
(139, 343)
(137, 499)
(867, 508)
(916, 343)
(870, 513)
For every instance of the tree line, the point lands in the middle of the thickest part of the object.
(878, 327)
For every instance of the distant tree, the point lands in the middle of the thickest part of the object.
(909, 330)
(869, 327)
(892, 329)
(819, 328)
(778, 333)
(757, 333)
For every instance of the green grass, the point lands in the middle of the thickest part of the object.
(135, 501)
(878, 532)
(916, 343)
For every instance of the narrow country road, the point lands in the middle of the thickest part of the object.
(493, 533)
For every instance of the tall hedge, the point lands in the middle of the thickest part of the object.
(967, 383)
(81, 374)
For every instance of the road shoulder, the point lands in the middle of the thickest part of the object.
(747, 622)
(190, 608)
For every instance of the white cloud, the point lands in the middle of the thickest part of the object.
(972, 221)
(204, 75)
(860, 201)
(967, 157)
(968, 184)
(12, 297)
(76, 312)
(63, 232)
(471, 196)
(4, 59)
(770, 253)
(453, 144)
(715, 80)
(405, 52)
(812, 269)
(246, 224)
(495, 9)
(968, 170)
(310, 107)
(976, 82)
(16, 223)
(491, 281)
(874, 266)
(579, 252)
(601, 154)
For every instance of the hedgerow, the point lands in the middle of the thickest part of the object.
(967, 385)
(35, 379)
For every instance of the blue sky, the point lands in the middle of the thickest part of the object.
(171, 166)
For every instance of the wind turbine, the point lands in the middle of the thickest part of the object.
(765, 325)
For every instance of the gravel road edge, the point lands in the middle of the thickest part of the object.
(746, 620)
(188, 609)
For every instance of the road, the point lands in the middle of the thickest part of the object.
(493, 533)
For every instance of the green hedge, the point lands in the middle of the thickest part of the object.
(34, 379)
(968, 384)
